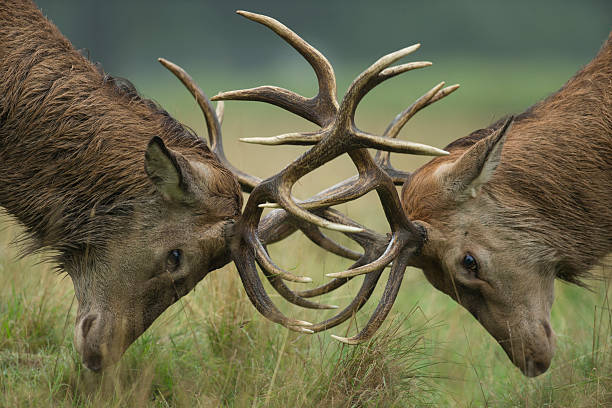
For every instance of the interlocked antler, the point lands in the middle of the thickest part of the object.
(279, 224)
(338, 135)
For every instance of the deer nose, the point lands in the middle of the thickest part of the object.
(86, 342)
(534, 367)
(539, 362)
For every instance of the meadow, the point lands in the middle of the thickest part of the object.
(213, 349)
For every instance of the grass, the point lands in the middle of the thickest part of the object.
(212, 349)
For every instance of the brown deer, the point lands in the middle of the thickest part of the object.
(134, 206)
(511, 208)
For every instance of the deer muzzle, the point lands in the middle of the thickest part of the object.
(100, 340)
(532, 352)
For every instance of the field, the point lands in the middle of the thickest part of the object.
(213, 349)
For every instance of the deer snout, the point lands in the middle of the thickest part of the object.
(93, 338)
(86, 341)
(534, 354)
(539, 362)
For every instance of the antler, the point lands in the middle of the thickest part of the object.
(247, 182)
(383, 159)
(213, 124)
(277, 225)
(338, 135)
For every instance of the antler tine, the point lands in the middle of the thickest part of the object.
(373, 244)
(279, 224)
(384, 305)
(399, 177)
(220, 111)
(275, 227)
(213, 123)
(321, 108)
(323, 289)
(297, 139)
(345, 191)
(264, 261)
(292, 297)
(310, 138)
(383, 159)
(360, 87)
(243, 258)
(392, 251)
(365, 291)
(348, 190)
(434, 94)
(366, 81)
(315, 235)
(272, 227)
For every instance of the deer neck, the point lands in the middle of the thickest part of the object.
(555, 178)
(72, 139)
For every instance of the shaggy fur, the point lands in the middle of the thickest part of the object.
(512, 208)
(553, 188)
(72, 140)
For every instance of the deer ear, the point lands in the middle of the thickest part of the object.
(166, 170)
(477, 165)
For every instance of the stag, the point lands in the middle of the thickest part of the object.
(137, 209)
(494, 222)
(132, 204)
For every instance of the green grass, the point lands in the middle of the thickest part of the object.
(213, 349)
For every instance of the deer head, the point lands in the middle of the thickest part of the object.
(471, 254)
(171, 241)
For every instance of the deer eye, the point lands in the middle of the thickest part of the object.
(173, 261)
(470, 264)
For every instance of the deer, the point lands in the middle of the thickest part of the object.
(492, 221)
(132, 205)
(137, 209)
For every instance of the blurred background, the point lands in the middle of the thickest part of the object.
(128, 36)
(506, 55)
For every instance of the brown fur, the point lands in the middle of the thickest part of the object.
(72, 171)
(544, 211)
(72, 139)
(554, 184)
